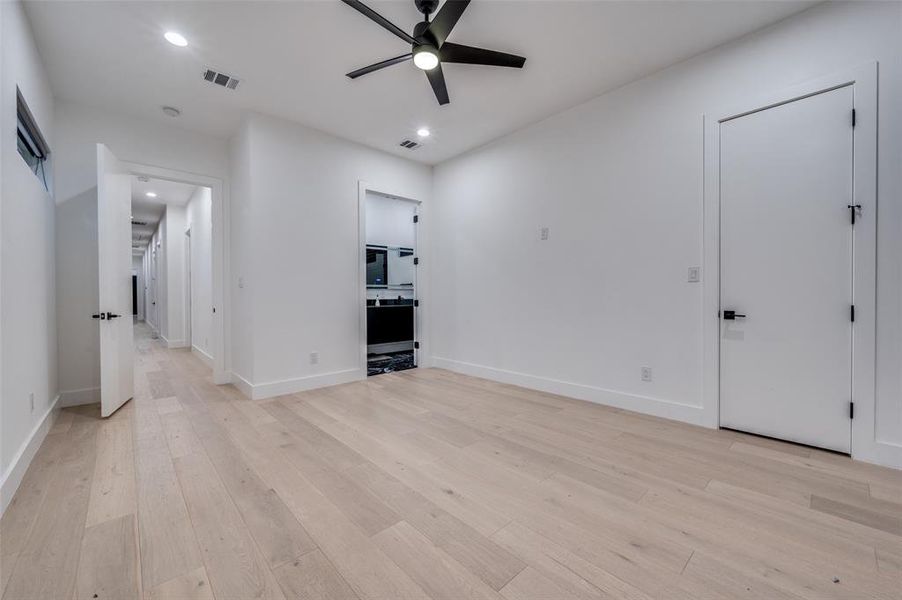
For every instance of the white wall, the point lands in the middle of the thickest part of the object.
(241, 245)
(200, 222)
(173, 224)
(162, 248)
(28, 333)
(78, 130)
(619, 182)
(295, 245)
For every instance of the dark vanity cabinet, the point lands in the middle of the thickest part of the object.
(390, 322)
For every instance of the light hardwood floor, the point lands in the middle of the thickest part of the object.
(429, 484)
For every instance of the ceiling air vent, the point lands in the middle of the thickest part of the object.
(409, 144)
(139, 222)
(221, 79)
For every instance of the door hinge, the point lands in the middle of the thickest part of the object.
(416, 218)
(416, 260)
(416, 345)
(416, 303)
(851, 410)
(853, 117)
(852, 313)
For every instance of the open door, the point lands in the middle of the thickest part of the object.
(114, 202)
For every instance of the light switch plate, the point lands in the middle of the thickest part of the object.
(543, 233)
(694, 274)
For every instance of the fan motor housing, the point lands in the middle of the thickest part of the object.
(421, 32)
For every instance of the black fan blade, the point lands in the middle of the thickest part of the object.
(371, 14)
(437, 80)
(455, 53)
(446, 18)
(380, 65)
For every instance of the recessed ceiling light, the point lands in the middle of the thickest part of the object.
(176, 39)
(151, 194)
(423, 132)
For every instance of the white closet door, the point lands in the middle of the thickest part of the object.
(786, 265)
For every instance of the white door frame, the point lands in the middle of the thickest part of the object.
(219, 211)
(863, 80)
(419, 329)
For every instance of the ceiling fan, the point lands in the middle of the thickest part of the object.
(429, 48)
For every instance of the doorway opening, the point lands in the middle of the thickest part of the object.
(143, 214)
(172, 232)
(391, 274)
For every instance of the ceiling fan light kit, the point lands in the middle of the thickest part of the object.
(429, 48)
(425, 57)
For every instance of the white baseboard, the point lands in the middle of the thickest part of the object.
(642, 404)
(79, 397)
(245, 386)
(260, 391)
(23, 457)
(206, 358)
(175, 343)
(887, 454)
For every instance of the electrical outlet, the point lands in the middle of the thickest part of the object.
(314, 358)
(543, 233)
(31, 401)
(645, 373)
(694, 274)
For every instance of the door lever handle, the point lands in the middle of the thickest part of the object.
(731, 315)
(110, 316)
(101, 316)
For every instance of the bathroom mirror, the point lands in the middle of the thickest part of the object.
(400, 267)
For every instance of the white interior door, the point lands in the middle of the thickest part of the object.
(114, 202)
(786, 270)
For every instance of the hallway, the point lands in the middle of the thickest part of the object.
(427, 484)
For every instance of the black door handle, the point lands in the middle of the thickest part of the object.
(730, 315)
(101, 316)
(110, 316)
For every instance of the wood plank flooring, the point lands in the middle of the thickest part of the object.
(429, 484)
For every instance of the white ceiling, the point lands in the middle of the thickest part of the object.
(167, 192)
(292, 57)
(150, 210)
